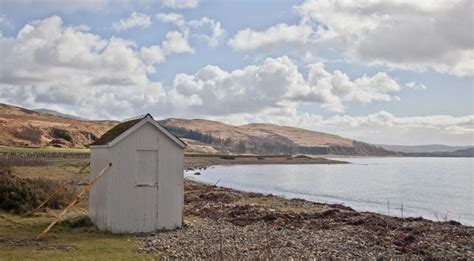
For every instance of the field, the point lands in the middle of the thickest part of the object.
(10, 149)
(84, 243)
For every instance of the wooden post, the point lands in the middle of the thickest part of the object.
(54, 193)
(74, 202)
(46, 200)
(85, 167)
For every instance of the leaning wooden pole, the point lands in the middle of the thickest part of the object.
(61, 188)
(54, 193)
(85, 167)
(74, 202)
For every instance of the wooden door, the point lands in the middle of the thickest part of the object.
(147, 189)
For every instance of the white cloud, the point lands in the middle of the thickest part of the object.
(384, 127)
(277, 83)
(178, 4)
(5, 22)
(250, 89)
(214, 38)
(414, 35)
(333, 89)
(134, 20)
(377, 128)
(174, 18)
(110, 77)
(176, 42)
(217, 32)
(48, 63)
(248, 40)
(416, 86)
(152, 55)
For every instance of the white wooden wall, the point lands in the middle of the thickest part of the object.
(130, 199)
(97, 195)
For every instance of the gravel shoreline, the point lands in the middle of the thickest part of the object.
(228, 224)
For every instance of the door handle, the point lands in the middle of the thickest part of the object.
(147, 185)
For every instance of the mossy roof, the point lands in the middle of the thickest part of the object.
(122, 127)
(115, 132)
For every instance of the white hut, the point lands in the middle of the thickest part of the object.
(143, 191)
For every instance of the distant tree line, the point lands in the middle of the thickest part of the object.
(276, 147)
(194, 135)
(234, 146)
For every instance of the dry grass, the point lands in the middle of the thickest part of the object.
(63, 170)
(19, 195)
(64, 242)
(13, 149)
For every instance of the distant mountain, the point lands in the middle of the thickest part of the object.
(464, 152)
(424, 148)
(59, 114)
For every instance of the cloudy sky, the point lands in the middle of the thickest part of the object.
(393, 72)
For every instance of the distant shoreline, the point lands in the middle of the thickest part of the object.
(214, 159)
(203, 161)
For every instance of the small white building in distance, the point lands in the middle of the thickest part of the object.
(143, 191)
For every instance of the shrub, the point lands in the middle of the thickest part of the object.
(20, 195)
(29, 134)
(302, 157)
(18, 162)
(77, 219)
(227, 157)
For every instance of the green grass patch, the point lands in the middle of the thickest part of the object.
(17, 236)
(62, 169)
(41, 150)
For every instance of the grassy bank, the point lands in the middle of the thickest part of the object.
(10, 149)
(63, 242)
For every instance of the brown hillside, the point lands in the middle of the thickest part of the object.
(27, 128)
(22, 127)
(215, 128)
(261, 132)
(299, 136)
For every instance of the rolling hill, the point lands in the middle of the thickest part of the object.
(28, 128)
(259, 138)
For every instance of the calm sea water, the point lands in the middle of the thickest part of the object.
(434, 188)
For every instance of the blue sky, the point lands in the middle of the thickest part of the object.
(395, 72)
